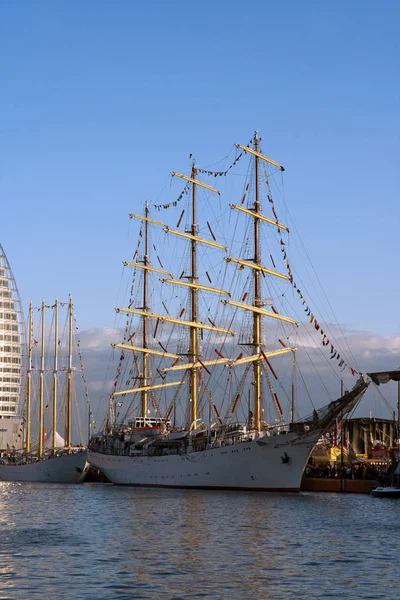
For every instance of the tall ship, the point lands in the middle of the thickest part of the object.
(42, 454)
(12, 340)
(207, 345)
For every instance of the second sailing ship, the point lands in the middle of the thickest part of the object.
(52, 459)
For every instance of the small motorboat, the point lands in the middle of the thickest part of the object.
(389, 491)
(392, 489)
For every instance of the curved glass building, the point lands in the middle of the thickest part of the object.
(12, 340)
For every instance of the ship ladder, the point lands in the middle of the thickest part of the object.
(232, 407)
(274, 397)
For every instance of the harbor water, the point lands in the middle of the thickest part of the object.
(96, 541)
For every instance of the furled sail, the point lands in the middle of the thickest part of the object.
(384, 376)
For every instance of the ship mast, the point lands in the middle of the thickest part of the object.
(257, 298)
(69, 376)
(145, 393)
(293, 396)
(193, 351)
(257, 306)
(193, 323)
(55, 376)
(41, 388)
(29, 382)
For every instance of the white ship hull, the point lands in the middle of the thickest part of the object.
(67, 468)
(258, 465)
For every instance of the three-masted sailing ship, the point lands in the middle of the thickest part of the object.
(53, 459)
(142, 442)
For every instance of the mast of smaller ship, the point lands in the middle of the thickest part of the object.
(145, 394)
(55, 376)
(193, 303)
(257, 298)
(69, 376)
(29, 382)
(41, 388)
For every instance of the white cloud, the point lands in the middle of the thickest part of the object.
(98, 338)
(370, 352)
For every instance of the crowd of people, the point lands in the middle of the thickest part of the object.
(376, 472)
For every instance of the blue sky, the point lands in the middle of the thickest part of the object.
(100, 100)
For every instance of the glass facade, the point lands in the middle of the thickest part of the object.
(11, 340)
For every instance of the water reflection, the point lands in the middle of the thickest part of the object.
(104, 542)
